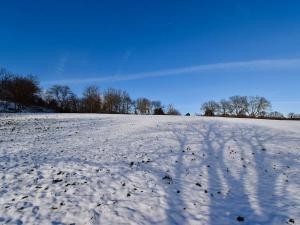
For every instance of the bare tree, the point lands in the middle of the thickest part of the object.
(91, 101)
(61, 94)
(73, 104)
(276, 115)
(293, 116)
(225, 107)
(159, 111)
(157, 108)
(143, 105)
(156, 104)
(135, 108)
(210, 108)
(112, 100)
(172, 111)
(239, 104)
(126, 103)
(256, 105)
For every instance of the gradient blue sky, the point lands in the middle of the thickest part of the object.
(181, 52)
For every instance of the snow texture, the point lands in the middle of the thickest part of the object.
(127, 169)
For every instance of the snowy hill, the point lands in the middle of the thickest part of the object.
(126, 169)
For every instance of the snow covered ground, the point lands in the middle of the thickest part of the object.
(125, 169)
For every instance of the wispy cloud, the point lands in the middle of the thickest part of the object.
(254, 65)
(124, 61)
(60, 67)
(287, 102)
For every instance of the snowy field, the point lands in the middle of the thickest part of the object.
(125, 169)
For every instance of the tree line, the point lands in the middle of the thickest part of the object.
(244, 106)
(25, 91)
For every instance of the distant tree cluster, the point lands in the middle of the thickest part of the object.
(112, 101)
(243, 106)
(293, 116)
(24, 91)
(20, 90)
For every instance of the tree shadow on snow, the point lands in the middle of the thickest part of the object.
(246, 179)
(251, 176)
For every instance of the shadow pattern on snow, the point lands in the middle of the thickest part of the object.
(216, 172)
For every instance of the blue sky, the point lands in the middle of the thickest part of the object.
(181, 52)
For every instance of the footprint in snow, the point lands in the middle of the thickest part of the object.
(168, 179)
(291, 221)
(240, 219)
